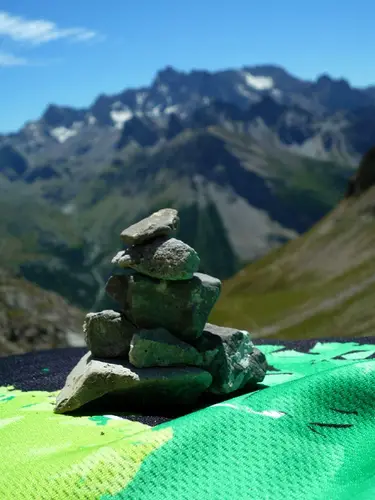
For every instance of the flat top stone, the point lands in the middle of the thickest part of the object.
(207, 279)
(107, 314)
(162, 223)
(225, 332)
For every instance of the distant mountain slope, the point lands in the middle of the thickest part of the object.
(251, 157)
(236, 199)
(320, 285)
(34, 319)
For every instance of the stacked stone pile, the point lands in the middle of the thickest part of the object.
(158, 347)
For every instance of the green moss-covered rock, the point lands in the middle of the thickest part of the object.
(181, 307)
(158, 347)
(237, 362)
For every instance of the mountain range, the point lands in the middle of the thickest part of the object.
(250, 157)
(325, 117)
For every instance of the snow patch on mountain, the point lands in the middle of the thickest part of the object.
(258, 82)
(120, 117)
(62, 134)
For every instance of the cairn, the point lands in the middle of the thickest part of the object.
(158, 348)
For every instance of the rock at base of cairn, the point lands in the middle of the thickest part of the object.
(181, 307)
(228, 354)
(158, 347)
(108, 334)
(93, 378)
(237, 363)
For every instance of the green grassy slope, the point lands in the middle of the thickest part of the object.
(321, 284)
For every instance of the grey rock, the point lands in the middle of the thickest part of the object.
(117, 288)
(93, 378)
(108, 333)
(162, 223)
(259, 367)
(237, 362)
(161, 258)
(158, 347)
(181, 307)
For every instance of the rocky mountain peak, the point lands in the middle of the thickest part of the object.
(323, 79)
(62, 116)
(101, 109)
(168, 75)
(337, 94)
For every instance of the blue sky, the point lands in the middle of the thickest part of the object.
(67, 52)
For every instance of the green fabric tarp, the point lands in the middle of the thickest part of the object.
(307, 433)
